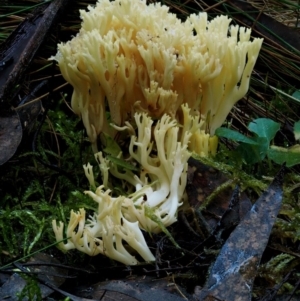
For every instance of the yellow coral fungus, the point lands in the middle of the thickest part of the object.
(151, 61)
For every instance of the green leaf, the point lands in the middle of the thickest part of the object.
(291, 156)
(122, 163)
(254, 153)
(111, 146)
(297, 130)
(264, 127)
(234, 135)
(296, 94)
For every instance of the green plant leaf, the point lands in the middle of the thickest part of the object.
(234, 135)
(111, 146)
(297, 130)
(254, 153)
(264, 127)
(296, 94)
(280, 155)
(122, 163)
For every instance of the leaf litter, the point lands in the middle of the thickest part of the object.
(237, 263)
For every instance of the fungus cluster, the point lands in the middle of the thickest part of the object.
(159, 187)
(130, 56)
(169, 84)
(105, 232)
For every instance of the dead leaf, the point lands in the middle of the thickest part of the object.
(233, 273)
(49, 274)
(13, 121)
(10, 135)
(137, 288)
(203, 180)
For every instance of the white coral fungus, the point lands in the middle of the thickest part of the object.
(159, 186)
(137, 57)
(105, 232)
(144, 64)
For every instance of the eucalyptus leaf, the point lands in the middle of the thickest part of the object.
(264, 127)
(280, 155)
(234, 135)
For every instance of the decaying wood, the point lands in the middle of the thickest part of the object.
(17, 52)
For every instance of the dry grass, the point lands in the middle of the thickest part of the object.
(285, 12)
